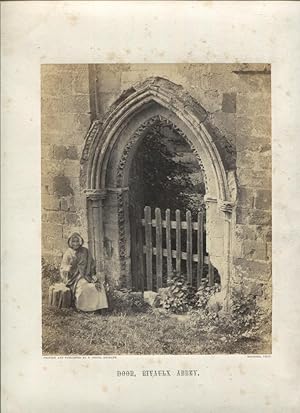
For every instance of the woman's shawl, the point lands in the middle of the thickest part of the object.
(77, 264)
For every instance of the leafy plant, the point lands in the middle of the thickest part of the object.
(50, 271)
(245, 313)
(179, 297)
(164, 174)
(204, 293)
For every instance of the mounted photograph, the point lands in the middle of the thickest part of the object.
(156, 209)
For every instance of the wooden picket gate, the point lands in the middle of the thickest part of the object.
(160, 247)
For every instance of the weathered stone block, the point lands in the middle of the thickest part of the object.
(52, 230)
(55, 217)
(68, 204)
(59, 152)
(260, 217)
(259, 126)
(51, 168)
(253, 143)
(245, 197)
(245, 232)
(62, 186)
(48, 243)
(255, 250)
(47, 185)
(263, 233)
(150, 297)
(72, 218)
(80, 80)
(105, 100)
(75, 185)
(110, 81)
(46, 151)
(212, 98)
(71, 168)
(65, 128)
(253, 233)
(62, 152)
(72, 152)
(76, 104)
(226, 123)
(253, 104)
(242, 215)
(50, 202)
(51, 105)
(259, 161)
(252, 269)
(229, 103)
(254, 179)
(56, 84)
(254, 82)
(263, 199)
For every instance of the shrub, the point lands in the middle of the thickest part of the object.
(179, 297)
(50, 272)
(245, 314)
(204, 293)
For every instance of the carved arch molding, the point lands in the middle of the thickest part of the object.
(105, 138)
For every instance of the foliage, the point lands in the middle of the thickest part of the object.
(162, 175)
(242, 321)
(50, 272)
(204, 293)
(179, 297)
(245, 314)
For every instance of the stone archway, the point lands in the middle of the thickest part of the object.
(107, 155)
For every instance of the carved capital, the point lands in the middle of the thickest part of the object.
(226, 207)
(118, 190)
(95, 194)
(209, 199)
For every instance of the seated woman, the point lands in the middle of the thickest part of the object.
(78, 273)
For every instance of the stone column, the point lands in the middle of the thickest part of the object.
(95, 199)
(226, 208)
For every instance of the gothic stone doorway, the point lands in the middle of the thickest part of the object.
(107, 157)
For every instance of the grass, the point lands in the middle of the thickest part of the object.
(68, 332)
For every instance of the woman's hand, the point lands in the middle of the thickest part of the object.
(94, 278)
(64, 276)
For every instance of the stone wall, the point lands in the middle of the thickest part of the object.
(237, 98)
(65, 121)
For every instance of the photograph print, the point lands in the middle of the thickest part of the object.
(156, 209)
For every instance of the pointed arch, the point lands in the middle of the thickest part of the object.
(103, 136)
(109, 148)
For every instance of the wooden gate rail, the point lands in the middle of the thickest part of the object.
(159, 252)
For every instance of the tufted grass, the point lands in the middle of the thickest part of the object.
(68, 332)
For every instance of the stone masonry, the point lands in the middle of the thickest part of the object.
(237, 98)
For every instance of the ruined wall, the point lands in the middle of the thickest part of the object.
(65, 121)
(237, 98)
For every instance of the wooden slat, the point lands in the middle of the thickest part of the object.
(141, 273)
(158, 248)
(200, 248)
(148, 238)
(174, 255)
(168, 244)
(210, 276)
(173, 224)
(178, 242)
(189, 246)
